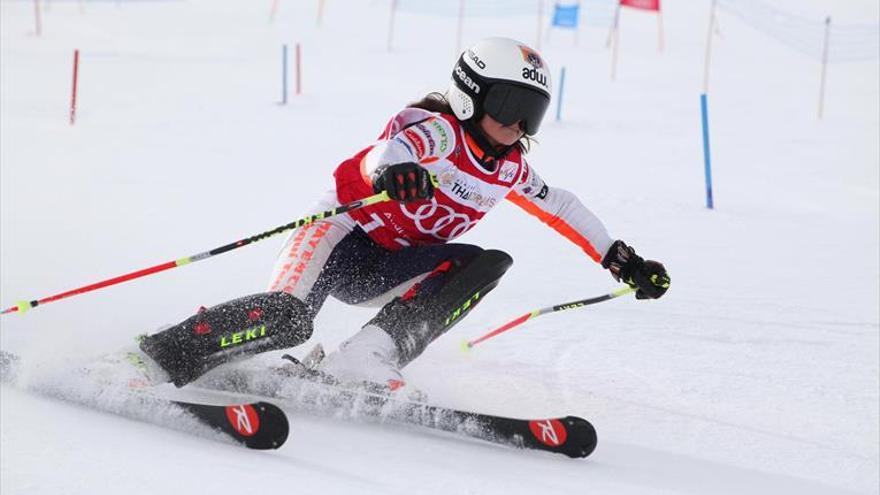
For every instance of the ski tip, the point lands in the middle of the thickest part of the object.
(466, 346)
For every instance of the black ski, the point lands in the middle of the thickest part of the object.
(569, 435)
(260, 425)
(256, 425)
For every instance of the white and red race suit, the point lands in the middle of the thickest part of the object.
(466, 190)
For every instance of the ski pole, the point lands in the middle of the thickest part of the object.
(23, 306)
(466, 345)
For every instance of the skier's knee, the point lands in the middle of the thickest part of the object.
(493, 264)
(415, 322)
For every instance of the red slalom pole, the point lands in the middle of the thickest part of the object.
(23, 306)
(73, 90)
(538, 312)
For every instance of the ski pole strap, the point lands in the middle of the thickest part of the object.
(550, 309)
(22, 306)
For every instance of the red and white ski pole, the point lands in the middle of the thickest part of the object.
(23, 306)
(466, 345)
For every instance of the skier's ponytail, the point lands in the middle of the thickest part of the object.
(433, 102)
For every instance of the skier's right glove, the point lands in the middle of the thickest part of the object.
(404, 182)
(647, 276)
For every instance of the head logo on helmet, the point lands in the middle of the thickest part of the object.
(473, 56)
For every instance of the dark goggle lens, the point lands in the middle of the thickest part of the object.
(508, 104)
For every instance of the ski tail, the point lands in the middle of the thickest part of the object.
(255, 425)
(571, 435)
(258, 425)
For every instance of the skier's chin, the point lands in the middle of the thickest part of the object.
(507, 136)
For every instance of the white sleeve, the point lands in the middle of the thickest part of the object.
(562, 211)
(413, 135)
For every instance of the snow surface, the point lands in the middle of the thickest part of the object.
(758, 373)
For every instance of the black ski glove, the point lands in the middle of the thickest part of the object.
(648, 276)
(404, 182)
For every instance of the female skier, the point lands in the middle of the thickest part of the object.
(444, 161)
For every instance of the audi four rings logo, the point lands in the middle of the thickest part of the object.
(432, 218)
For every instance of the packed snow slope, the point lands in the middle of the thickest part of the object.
(757, 373)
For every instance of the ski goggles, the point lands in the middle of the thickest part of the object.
(512, 103)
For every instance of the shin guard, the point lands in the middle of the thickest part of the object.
(419, 317)
(238, 328)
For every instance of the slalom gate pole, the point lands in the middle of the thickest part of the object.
(824, 66)
(298, 70)
(23, 306)
(38, 25)
(74, 86)
(559, 99)
(551, 309)
(284, 74)
(707, 154)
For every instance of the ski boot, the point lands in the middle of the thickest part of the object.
(128, 368)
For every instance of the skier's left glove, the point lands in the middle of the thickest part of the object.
(647, 276)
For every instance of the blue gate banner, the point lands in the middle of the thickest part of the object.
(565, 16)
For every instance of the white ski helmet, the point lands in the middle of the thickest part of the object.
(503, 78)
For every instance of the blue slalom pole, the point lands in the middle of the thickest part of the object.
(559, 101)
(706, 155)
(284, 75)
